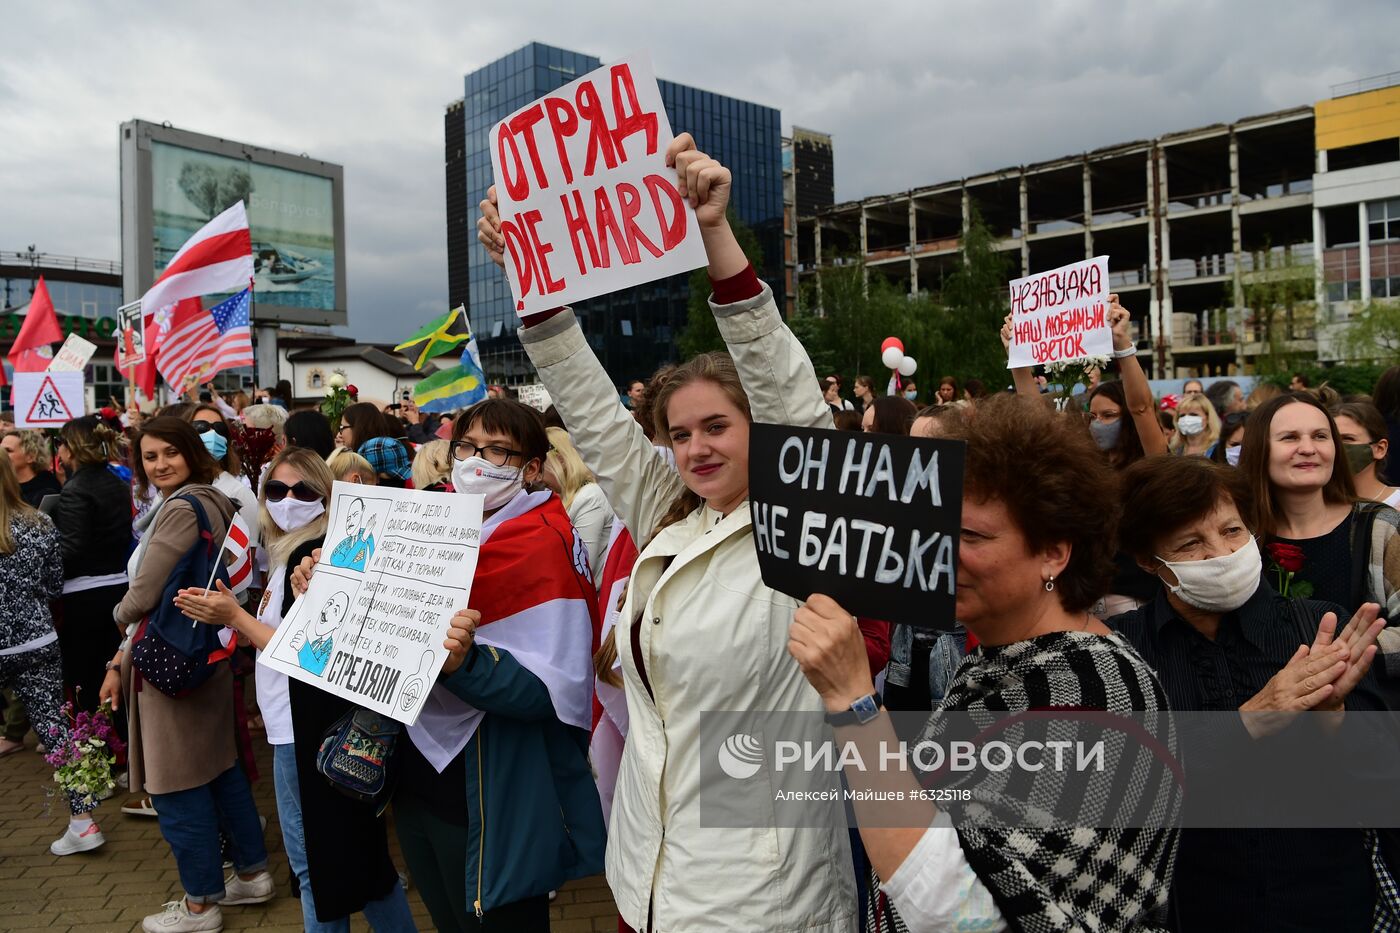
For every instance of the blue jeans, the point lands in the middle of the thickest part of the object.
(190, 820)
(389, 914)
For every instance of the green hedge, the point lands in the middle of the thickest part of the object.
(1350, 379)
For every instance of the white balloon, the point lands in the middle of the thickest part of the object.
(892, 358)
(907, 366)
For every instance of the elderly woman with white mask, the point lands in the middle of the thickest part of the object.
(1220, 638)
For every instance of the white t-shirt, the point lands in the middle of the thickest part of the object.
(237, 490)
(1393, 500)
(273, 700)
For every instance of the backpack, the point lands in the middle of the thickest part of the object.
(171, 651)
(356, 754)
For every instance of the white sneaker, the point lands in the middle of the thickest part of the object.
(254, 891)
(175, 917)
(71, 842)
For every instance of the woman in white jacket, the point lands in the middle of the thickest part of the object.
(699, 630)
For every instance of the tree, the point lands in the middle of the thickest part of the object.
(845, 314)
(1374, 333)
(974, 303)
(1279, 294)
(213, 190)
(701, 334)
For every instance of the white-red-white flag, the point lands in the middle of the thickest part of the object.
(218, 258)
(240, 569)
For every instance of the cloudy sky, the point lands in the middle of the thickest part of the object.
(915, 93)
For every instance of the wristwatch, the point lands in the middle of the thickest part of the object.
(114, 663)
(861, 712)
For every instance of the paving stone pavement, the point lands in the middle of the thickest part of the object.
(112, 888)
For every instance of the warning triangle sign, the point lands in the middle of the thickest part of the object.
(48, 405)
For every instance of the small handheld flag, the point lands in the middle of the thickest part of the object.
(240, 569)
(438, 336)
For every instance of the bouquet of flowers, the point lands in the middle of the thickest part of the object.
(1286, 560)
(1066, 374)
(339, 396)
(254, 448)
(83, 759)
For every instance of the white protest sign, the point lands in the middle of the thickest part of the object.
(535, 395)
(396, 565)
(587, 203)
(47, 400)
(73, 356)
(131, 336)
(1060, 315)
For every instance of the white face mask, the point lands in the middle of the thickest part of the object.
(1232, 455)
(1218, 584)
(291, 513)
(497, 484)
(1190, 424)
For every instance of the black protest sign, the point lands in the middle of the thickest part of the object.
(871, 520)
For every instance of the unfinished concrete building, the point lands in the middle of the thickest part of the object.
(1192, 222)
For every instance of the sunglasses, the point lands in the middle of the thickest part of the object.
(218, 427)
(276, 490)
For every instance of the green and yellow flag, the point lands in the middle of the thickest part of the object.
(439, 336)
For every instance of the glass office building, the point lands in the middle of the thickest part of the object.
(633, 331)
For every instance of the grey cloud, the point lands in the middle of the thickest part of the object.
(913, 93)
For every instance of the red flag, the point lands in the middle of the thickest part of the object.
(40, 329)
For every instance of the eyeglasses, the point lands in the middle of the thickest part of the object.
(343, 427)
(494, 454)
(276, 490)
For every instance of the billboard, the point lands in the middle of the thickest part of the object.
(173, 182)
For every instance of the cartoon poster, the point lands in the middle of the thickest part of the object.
(396, 565)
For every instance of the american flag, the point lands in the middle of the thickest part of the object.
(201, 343)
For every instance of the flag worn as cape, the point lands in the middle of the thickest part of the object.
(438, 336)
(610, 720)
(537, 602)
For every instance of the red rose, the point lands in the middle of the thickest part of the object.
(352, 391)
(1287, 556)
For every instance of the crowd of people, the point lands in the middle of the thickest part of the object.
(1118, 552)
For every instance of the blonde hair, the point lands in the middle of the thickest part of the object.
(343, 461)
(1197, 405)
(37, 446)
(432, 464)
(568, 467)
(314, 473)
(1263, 392)
(12, 507)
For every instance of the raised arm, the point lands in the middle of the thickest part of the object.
(1021, 376)
(773, 366)
(1137, 392)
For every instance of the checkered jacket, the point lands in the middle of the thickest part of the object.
(1029, 836)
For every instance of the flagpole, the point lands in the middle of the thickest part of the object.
(215, 573)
